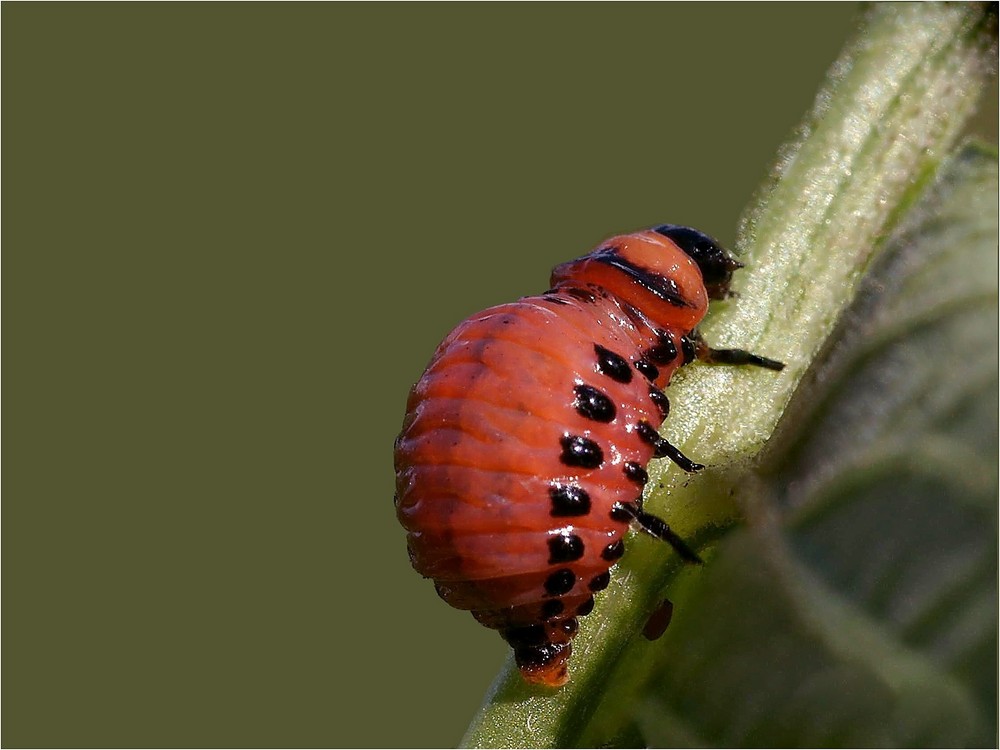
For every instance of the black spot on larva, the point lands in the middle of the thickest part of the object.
(613, 365)
(580, 451)
(395, 499)
(561, 582)
(649, 435)
(586, 608)
(623, 512)
(554, 299)
(660, 286)
(687, 349)
(529, 635)
(593, 404)
(538, 656)
(564, 548)
(569, 626)
(635, 473)
(552, 608)
(659, 398)
(411, 554)
(646, 432)
(613, 551)
(582, 294)
(568, 500)
(648, 370)
(599, 583)
(664, 352)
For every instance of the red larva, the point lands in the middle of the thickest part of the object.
(520, 465)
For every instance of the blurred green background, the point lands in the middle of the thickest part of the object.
(234, 235)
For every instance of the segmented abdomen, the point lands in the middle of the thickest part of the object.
(521, 460)
(529, 424)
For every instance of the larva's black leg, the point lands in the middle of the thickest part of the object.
(657, 527)
(731, 356)
(663, 449)
(666, 450)
(737, 357)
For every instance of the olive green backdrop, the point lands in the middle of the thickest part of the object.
(232, 237)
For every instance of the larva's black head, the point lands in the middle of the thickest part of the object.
(716, 264)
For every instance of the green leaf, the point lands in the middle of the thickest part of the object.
(860, 606)
(891, 110)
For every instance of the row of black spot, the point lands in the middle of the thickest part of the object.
(531, 642)
(555, 607)
(562, 581)
(592, 403)
(567, 547)
(569, 500)
(663, 352)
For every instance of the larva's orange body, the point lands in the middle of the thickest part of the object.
(521, 460)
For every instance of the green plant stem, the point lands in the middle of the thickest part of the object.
(891, 110)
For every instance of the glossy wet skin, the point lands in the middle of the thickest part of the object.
(521, 461)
